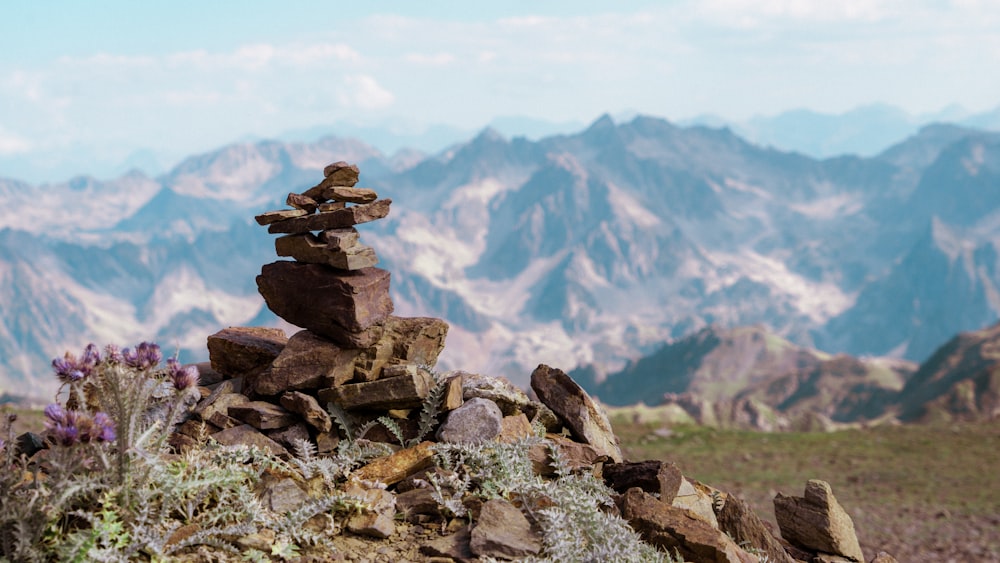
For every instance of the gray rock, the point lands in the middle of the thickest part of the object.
(502, 531)
(585, 420)
(477, 420)
(817, 522)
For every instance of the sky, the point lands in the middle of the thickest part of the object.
(88, 86)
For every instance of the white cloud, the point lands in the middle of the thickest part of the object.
(364, 92)
(437, 59)
(11, 144)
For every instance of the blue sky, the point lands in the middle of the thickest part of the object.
(87, 84)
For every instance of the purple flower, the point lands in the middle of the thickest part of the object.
(145, 356)
(105, 428)
(183, 377)
(70, 369)
(55, 413)
(112, 354)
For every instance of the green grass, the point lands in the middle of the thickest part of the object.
(915, 491)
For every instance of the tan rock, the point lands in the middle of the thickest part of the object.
(279, 215)
(883, 557)
(452, 394)
(817, 522)
(377, 520)
(336, 219)
(219, 401)
(397, 466)
(584, 418)
(308, 361)
(235, 351)
(698, 502)
(350, 194)
(390, 393)
(514, 428)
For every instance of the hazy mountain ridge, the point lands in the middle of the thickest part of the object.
(586, 248)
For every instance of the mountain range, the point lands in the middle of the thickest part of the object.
(591, 248)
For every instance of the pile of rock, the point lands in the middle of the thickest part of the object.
(354, 356)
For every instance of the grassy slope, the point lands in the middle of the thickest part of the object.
(922, 493)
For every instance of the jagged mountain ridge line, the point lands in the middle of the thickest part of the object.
(576, 301)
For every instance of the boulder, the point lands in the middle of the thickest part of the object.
(235, 351)
(326, 301)
(515, 428)
(817, 522)
(478, 420)
(308, 362)
(585, 420)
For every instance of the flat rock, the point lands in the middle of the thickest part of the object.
(324, 300)
(308, 408)
(403, 392)
(336, 219)
(308, 361)
(502, 531)
(742, 524)
(817, 522)
(246, 435)
(670, 528)
(279, 215)
(236, 351)
(350, 194)
(585, 420)
(282, 495)
(658, 477)
(219, 401)
(478, 420)
(262, 415)
(307, 247)
(395, 467)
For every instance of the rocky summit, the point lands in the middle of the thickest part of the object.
(358, 379)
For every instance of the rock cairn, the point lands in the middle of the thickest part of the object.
(264, 389)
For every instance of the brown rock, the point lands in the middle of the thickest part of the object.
(502, 531)
(235, 351)
(659, 477)
(219, 401)
(416, 501)
(331, 206)
(697, 499)
(336, 219)
(577, 410)
(299, 201)
(817, 522)
(577, 456)
(308, 408)
(452, 394)
(514, 428)
(417, 340)
(883, 557)
(327, 442)
(262, 415)
(342, 173)
(454, 547)
(308, 362)
(397, 466)
(223, 421)
(391, 393)
(326, 301)
(670, 528)
(280, 215)
(746, 528)
(281, 495)
(247, 435)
